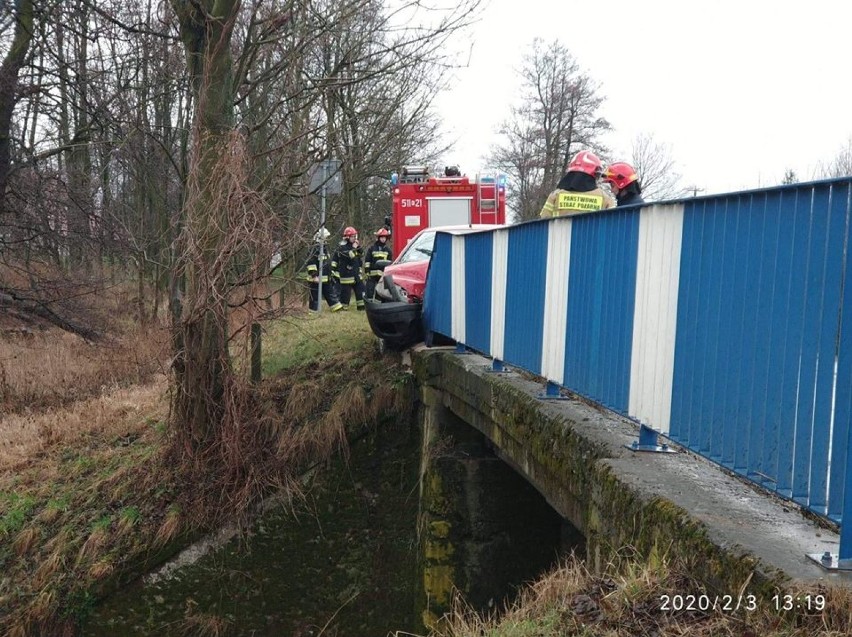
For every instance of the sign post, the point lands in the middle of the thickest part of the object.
(325, 178)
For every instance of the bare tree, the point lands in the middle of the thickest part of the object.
(656, 168)
(307, 80)
(519, 158)
(839, 166)
(557, 115)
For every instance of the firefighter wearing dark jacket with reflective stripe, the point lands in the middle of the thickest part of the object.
(379, 251)
(315, 273)
(346, 268)
(624, 183)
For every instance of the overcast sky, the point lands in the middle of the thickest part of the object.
(739, 90)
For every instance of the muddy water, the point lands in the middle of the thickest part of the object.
(343, 563)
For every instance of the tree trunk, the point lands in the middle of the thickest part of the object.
(80, 160)
(8, 86)
(202, 363)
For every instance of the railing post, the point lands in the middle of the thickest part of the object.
(842, 560)
(552, 392)
(845, 554)
(649, 440)
(497, 367)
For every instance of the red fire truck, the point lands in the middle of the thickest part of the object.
(422, 201)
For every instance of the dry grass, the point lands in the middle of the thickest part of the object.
(53, 368)
(120, 413)
(629, 600)
(92, 546)
(26, 540)
(101, 569)
(169, 528)
(50, 565)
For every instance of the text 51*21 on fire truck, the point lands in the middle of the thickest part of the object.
(422, 206)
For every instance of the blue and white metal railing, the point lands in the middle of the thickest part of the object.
(722, 322)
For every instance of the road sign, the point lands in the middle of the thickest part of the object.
(326, 172)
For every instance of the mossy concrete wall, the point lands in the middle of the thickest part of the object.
(575, 454)
(483, 528)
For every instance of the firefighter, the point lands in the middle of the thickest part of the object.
(625, 184)
(346, 268)
(315, 272)
(578, 191)
(379, 251)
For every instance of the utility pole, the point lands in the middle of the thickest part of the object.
(694, 190)
(325, 179)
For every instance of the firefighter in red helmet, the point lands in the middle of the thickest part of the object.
(346, 268)
(578, 190)
(379, 251)
(624, 182)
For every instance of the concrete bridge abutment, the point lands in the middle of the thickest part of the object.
(483, 528)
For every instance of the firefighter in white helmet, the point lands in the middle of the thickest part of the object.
(317, 272)
(578, 190)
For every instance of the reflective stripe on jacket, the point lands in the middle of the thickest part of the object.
(312, 262)
(346, 264)
(564, 202)
(376, 252)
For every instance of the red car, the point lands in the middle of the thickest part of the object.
(394, 312)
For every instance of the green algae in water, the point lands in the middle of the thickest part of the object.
(343, 560)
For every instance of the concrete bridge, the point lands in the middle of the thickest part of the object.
(609, 497)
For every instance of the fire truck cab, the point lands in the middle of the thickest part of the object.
(421, 201)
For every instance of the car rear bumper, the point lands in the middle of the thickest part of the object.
(397, 323)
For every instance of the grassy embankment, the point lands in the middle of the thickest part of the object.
(89, 497)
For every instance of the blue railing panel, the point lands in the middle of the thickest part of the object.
(525, 279)
(830, 308)
(843, 405)
(795, 310)
(683, 385)
(840, 494)
(731, 326)
(778, 337)
(437, 298)
(478, 257)
(818, 223)
(752, 325)
(601, 297)
(710, 282)
(694, 351)
(767, 209)
(838, 446)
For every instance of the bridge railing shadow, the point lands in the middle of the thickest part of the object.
(722, 322)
